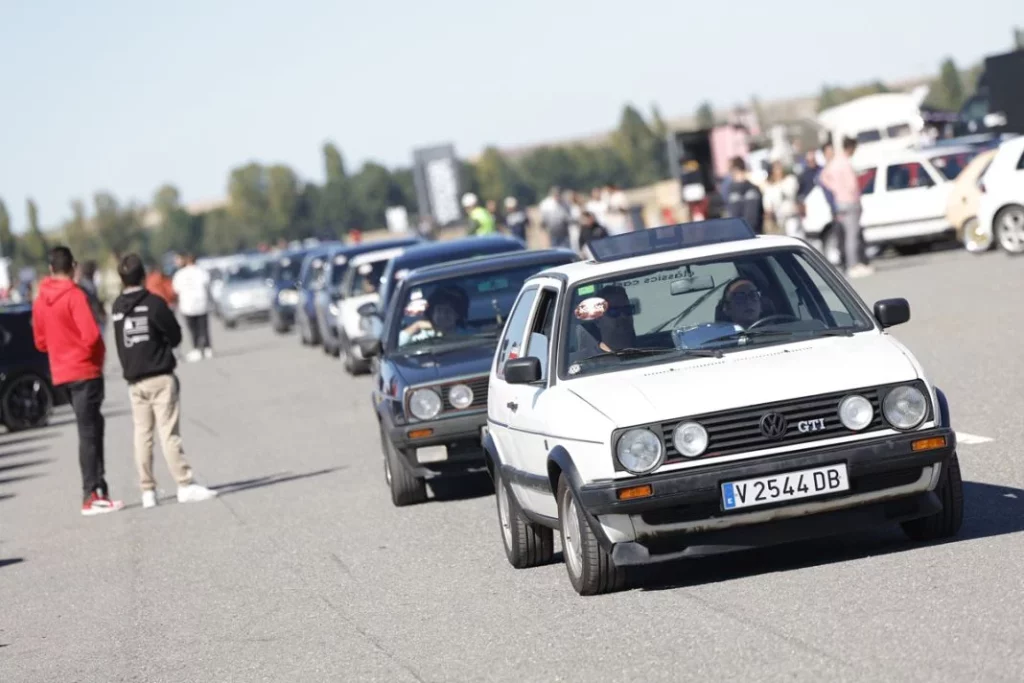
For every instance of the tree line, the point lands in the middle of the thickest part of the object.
(269, 203)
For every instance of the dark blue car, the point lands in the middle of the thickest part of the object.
(434, 359)
(284, 277)
(310, 282)
(27, 394)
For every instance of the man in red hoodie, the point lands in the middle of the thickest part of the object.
(64, 327)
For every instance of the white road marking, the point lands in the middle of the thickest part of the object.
(971, 439)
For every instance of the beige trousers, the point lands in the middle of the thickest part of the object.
(156, 407)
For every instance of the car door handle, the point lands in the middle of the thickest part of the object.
(512, 405)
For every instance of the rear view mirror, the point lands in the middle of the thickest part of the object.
(522, 370)
(891, 312)
(699, 283)
(367, 310)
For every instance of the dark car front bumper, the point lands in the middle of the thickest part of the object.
(460, 435)
(890, 480)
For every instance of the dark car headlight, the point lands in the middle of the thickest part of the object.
(424, 404)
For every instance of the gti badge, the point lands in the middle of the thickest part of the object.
(807, 426)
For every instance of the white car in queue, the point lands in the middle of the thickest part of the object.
(359, 287)
(697, 385)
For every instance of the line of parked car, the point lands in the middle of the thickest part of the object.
(968, 189)
(684, 389)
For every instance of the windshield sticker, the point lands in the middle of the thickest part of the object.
(340, 260)
(591, 309)
(416, 307)
(574, 369)
(365, 269)
(513, 353)
(586, 289)
(416, 294)
(400, 275)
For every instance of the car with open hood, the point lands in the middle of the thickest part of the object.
(430, 381)
(698, 386)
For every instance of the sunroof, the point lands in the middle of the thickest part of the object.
(670, 237)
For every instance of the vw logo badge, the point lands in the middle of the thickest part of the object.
(773, 425)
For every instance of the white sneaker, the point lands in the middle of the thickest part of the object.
(194, 355)
(208, 353)
(149, 499)
(194, 493)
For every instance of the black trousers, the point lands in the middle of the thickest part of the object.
(86, 400)
(199, 328)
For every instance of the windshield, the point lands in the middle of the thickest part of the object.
(286, 268)
(366, 278)
(713, 306)
(950, 165)
(245, 272)
(459, 309)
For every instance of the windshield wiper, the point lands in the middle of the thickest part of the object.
(756, 334)
(634, 352)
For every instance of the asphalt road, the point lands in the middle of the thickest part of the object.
(303, 571)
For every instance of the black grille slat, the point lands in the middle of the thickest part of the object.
(739, 430)
(479, 386)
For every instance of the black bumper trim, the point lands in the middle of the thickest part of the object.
(702, 484)
(457, 428)
(681, 544)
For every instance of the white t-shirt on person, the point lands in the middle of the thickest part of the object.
(191, 284)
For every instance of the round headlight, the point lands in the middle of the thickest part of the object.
(855, 412)
(424, 404)
(905, 407)
(639, 450)
(690, 439)
(460, 396)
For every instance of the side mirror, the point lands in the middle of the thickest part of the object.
(522, 370)
(371, 348)
(368, 310)
(891, 312)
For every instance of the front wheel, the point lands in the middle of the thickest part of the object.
(526, 544)
(946, 522)
(590, 567)
(406, 489)
(26, 403)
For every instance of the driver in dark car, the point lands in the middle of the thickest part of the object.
(741, 303)
(447, 309)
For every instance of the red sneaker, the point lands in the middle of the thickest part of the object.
(99, 505)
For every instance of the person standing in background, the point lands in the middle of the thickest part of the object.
(554, 217)
(840, 178)
(616, 220)
(146, 332)
(159, 284)
(744, 200)
(780, 200)
(64, 327)
(516, 219)
(492, 208)
(192, 285)
(86, 279)
(481, 222)
(590, 231)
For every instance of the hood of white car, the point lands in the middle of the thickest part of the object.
(762, 375)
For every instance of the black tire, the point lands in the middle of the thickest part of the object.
(406, 489)
(526, 544)
(303, 326)
(910, 249)
(597, 573)
(26, 402)
(946, 522)
(353, 366)
(278, 324)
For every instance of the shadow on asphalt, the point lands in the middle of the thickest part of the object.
(5, 496)
(989, 511)
(25, 438)
(9, 561)
(466, 487)
(19, 465)
(269, 480)
(20, 451)
(14, 480)
(70, 419)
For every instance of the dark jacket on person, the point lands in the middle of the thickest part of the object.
(744, 201)
(591, 233)
(91, 293)
(146, 332)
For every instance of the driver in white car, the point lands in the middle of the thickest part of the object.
(741, 303)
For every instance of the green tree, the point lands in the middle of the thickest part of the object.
(7, 240)
(374, 191)
(33, 244)
(282, 200)
(496, 177)
(546, 167)
(949, 89)
(222, 233)
(307, 208)
(1018, 38)
(705, 116)
(166, 199)
(76, 233)
(403, 180)
(119, 228)
(248, 204)
(637, 145)
(335, 212)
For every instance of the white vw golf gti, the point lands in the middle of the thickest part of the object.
(695, 387)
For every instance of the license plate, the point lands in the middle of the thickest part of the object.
(432, 454)
(819, 481)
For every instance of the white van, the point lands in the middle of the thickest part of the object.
(880, 123)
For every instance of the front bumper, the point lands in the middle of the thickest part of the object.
(889, 481)
(246, 312)
(459, 435)
(284, 313)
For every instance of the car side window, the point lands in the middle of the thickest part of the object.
(907, 177)
(1020, 163)
(541, 330)
(515, 330)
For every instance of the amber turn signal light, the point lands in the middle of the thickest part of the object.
(420, 433)
(929, 444)
(634, 492)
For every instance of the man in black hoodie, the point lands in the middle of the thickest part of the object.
(146, 333)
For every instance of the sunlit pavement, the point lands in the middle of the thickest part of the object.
(303, 571)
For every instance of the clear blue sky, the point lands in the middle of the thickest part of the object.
(125, 95)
